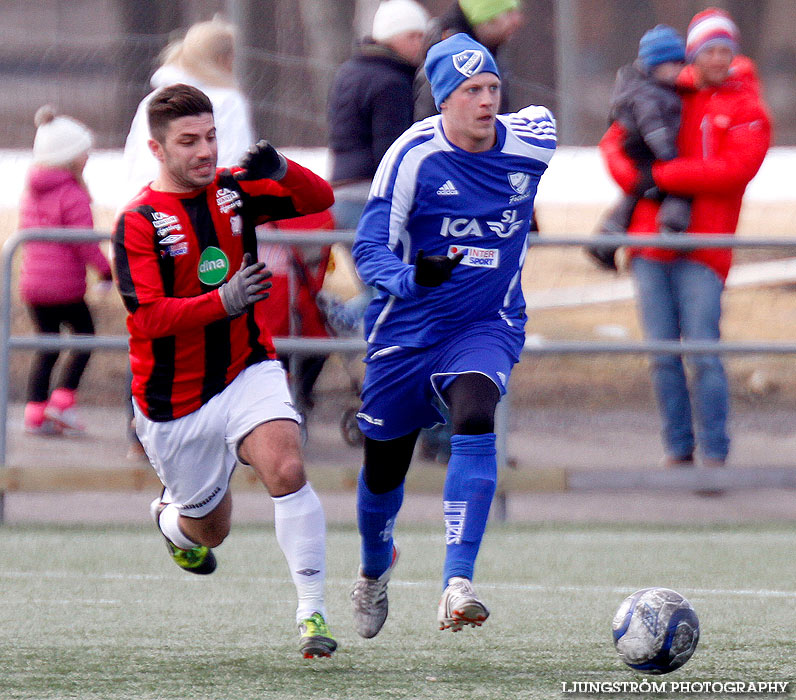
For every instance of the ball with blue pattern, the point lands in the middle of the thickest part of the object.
(655, 630)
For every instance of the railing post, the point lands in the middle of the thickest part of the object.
(5, 335)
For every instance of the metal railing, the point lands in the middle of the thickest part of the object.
(312, 346)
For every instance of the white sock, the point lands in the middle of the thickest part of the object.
(170, 526)
(301, 533)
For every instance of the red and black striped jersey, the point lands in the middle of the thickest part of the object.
(172, 251)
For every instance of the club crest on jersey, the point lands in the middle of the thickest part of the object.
(165, 223)
(468, 62)
(227, 200)
(213, 266)
(485, 258)
(520, 183)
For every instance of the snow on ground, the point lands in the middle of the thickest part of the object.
(575, 175)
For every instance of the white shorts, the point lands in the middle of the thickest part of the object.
(194, 456)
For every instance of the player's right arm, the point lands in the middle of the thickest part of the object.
(380, 262)
(382, 249)
(137, 268)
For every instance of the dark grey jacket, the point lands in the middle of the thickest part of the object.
(370, 105)
(649, 111)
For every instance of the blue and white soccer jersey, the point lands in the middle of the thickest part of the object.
(433, 196)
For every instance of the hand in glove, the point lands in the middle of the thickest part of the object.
(247, 286)
(603, 255)
(433, 270)
(262, 161)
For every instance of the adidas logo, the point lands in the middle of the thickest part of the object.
(448, 188)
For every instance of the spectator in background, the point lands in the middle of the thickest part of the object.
(292, 307)
(645, 102)
(53, 274)
(490, 22)
(723, 138)
(203, 59)
(371, 103)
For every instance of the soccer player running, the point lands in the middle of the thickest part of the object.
(207, 389)
(443, 239)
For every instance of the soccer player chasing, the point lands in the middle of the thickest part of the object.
(207, 389)
(443, 238)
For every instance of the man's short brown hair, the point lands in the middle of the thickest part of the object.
(172, 102)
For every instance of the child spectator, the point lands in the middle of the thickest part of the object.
(53, 273)
(648, 107)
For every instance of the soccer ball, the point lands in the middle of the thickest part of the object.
(655, 630)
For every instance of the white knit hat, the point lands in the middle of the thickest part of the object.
(394, 17)
(59, 140)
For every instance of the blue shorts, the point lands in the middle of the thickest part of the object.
(401, 383)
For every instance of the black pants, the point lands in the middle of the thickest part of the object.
(48, 319)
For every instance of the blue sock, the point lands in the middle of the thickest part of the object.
(376, 515)
(469, 488)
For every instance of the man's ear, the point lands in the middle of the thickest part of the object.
(156, 149)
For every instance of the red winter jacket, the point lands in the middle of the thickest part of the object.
(724, 135)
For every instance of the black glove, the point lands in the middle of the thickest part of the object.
(603, 255)
(262, 161)
(246, 286)
(433, 270)
(646, 187)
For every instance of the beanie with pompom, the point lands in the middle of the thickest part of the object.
(59, 139)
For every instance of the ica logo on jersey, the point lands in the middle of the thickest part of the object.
(508, 225)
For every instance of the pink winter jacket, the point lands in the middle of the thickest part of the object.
(55, 273)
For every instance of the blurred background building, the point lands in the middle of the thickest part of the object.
(93, 58)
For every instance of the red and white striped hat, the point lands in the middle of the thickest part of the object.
(708, 28)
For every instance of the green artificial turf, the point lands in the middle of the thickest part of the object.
(102, 613)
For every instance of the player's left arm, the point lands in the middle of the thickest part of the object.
(279, 188)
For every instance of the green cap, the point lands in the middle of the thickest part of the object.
(480, 11)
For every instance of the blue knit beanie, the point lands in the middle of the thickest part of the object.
(660, 45)
(452, 61)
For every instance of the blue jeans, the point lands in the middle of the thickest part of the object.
(682, 299)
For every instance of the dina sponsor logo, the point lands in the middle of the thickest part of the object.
(213, 266)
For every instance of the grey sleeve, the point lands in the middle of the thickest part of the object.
(657, 128)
